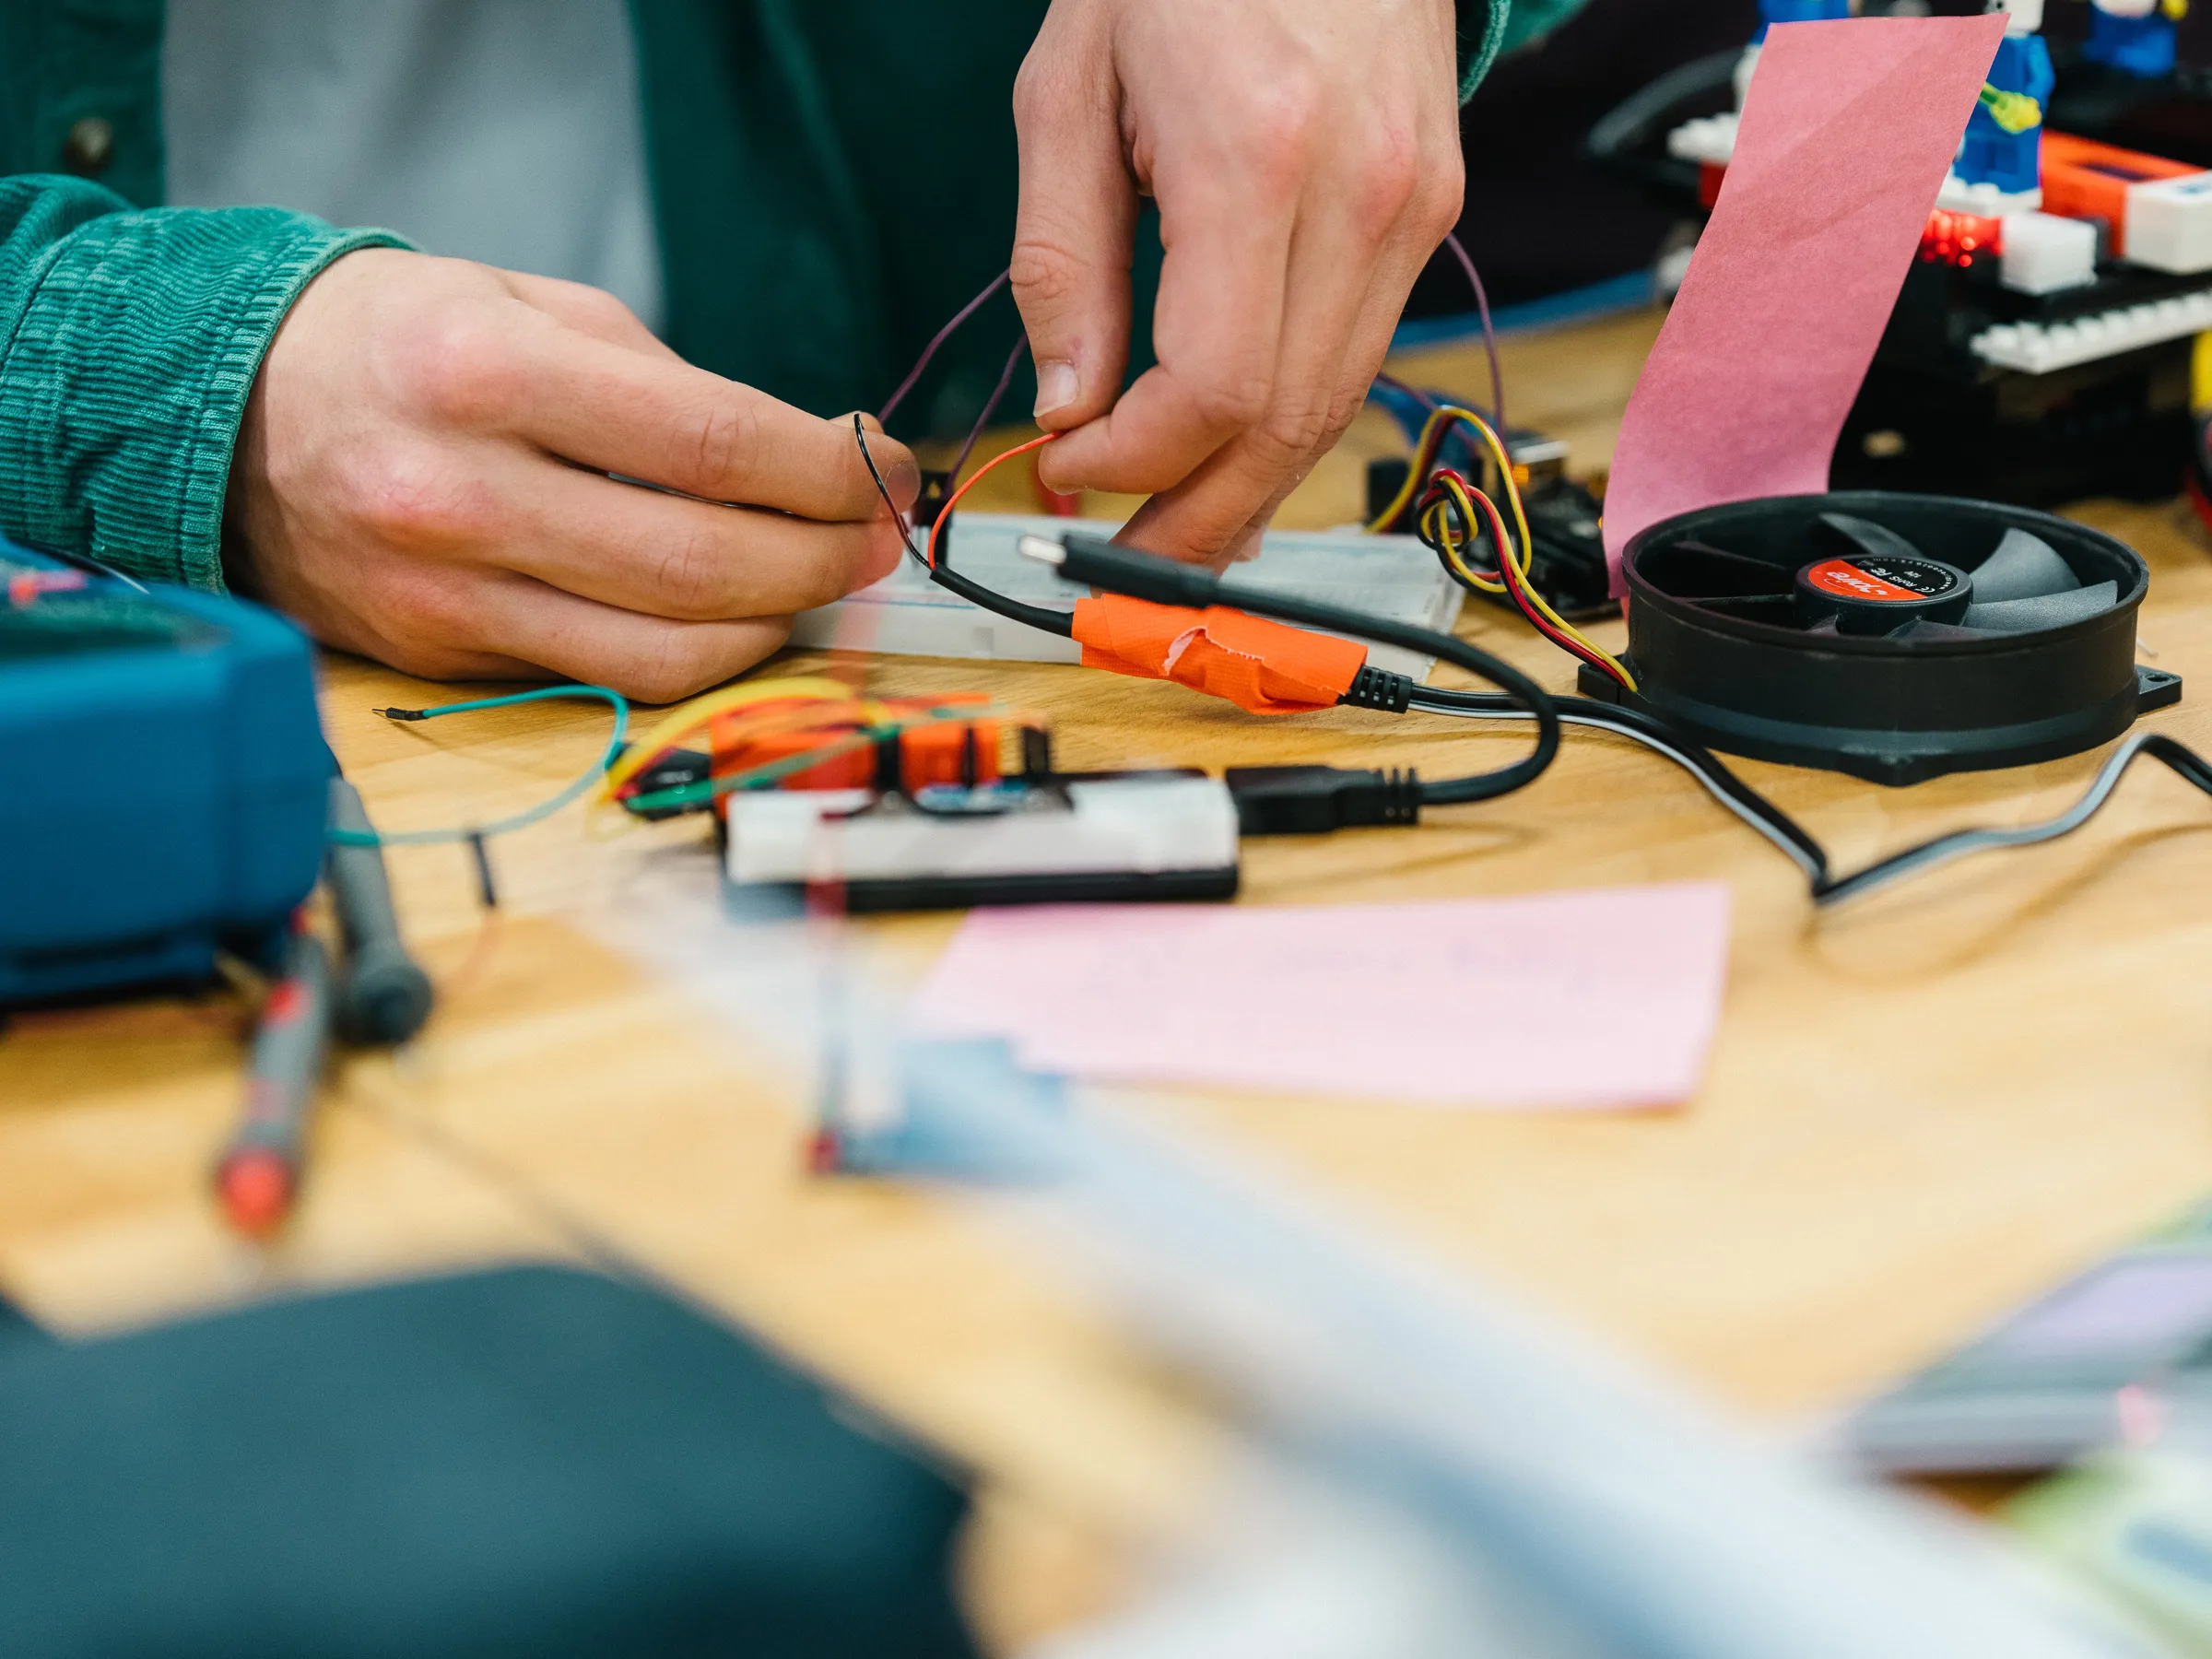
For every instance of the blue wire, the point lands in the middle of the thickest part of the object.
(521, 820)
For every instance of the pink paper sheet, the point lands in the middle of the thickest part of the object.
(1604, 998)
(1845, 141)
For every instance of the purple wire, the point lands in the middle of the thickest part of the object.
(1392, 382)
(944, 334)
(990, 407)
(1490, 335)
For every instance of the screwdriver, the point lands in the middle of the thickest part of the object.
(384, 996)
(258, 1175)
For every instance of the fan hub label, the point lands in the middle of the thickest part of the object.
(1881, 580)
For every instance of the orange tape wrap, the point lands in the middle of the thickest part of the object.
(1260, 666)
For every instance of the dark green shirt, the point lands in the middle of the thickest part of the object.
(831, 183)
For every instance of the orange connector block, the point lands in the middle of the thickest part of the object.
(949, 751)
(2159, 212)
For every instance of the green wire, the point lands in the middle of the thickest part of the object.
(521, 820)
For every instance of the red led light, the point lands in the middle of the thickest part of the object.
(1954, 239)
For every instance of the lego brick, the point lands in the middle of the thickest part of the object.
(2169, 224)
(2089, 180)
(2038, 349)
(2043, 254)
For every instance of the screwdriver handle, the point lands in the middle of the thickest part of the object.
(384, 996)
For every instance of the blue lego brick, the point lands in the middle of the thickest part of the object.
(2143, 47)
(1772, 12)
(166, 782)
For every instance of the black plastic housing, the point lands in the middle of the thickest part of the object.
(1887, 711)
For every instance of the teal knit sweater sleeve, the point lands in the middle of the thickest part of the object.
(128, 343)
(1487, 28)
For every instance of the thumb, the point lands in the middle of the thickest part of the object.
(1075, 231)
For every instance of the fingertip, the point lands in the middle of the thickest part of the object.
(885, 545)
(1062, 465)
(1059, 393)
(894, 462)
(903, 479)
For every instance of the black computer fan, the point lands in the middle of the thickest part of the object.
(1893, 636)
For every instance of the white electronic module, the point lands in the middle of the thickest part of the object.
(1107, 836)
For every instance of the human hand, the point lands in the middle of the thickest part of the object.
(1305, 158)
(422, 477)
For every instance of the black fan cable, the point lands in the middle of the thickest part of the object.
(1790, 838)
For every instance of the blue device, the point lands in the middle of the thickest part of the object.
(163, 781)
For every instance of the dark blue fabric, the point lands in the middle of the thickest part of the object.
(16, 1326)
(530, 1462)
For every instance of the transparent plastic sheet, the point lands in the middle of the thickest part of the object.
(1550, 1499)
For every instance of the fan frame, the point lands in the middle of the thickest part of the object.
(1890, 711)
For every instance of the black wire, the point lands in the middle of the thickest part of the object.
(1032, 616)
(1790, 837)
(1142, 575)
(1654, 733)
(1518, 687)
(2178, 756)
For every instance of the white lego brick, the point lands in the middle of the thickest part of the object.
(906, 614)
(1984, 201)
(1711, 139)
(2044, 254)
(2035, 349)
(2169, 224)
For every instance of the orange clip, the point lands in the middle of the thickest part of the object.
(1261, 667)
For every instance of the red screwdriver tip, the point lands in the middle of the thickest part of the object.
(255, 1188)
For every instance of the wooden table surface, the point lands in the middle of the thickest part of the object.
(1920, 1108)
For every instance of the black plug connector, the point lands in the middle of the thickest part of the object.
(1092, 561)
(1375, 687)
(1313, 800)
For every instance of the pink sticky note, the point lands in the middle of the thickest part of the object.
(1846, 135)
(1604, 998)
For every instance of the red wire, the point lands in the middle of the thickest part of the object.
(1509, 573)
(982, 473)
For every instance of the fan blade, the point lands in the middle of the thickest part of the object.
(1877, 541)
(1923, 632)
(1779, 609)
(2023, 567)
(1698, 571)
(2045, 610)
(1826, 625)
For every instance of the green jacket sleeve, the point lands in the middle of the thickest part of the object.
(128, 343)
(1490, 27)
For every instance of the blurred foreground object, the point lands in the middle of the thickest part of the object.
(534, 1462)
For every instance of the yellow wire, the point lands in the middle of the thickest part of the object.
(871, 712)
(703, 712)
(1438, 523)
(1412, 478)
(1518, 545)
